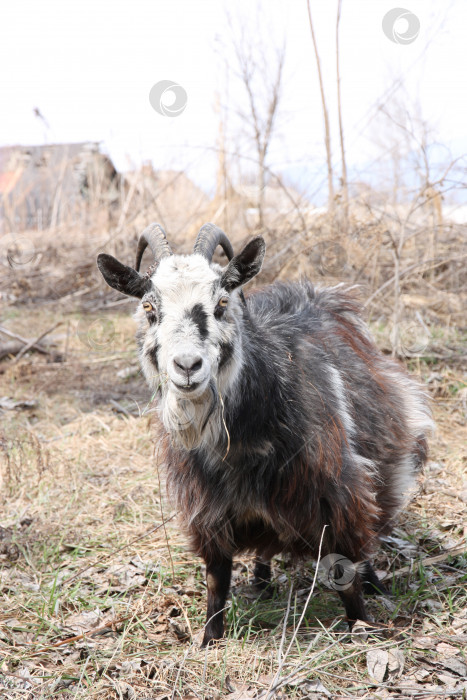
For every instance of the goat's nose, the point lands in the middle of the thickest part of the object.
(184, 364)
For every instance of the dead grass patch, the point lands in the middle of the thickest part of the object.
(91, 609)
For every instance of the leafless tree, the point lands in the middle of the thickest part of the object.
(260, 71)
(345, 188)
(327, 131)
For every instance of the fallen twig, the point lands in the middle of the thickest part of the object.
(39, 348)
(33, 343)
(11, 347)
(88, 633)
(427, 560)
(80, 292)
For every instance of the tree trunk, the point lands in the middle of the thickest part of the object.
(327, 133)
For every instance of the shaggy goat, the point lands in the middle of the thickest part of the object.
(281, 416)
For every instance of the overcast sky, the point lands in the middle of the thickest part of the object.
(89, 67)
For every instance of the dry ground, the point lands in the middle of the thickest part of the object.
(99, 600)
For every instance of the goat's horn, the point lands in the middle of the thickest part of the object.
(154, 237)
(207, 240)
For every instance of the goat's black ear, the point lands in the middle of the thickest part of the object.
(244, 266)
(121, 277)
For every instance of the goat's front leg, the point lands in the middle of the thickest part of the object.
(218, 573)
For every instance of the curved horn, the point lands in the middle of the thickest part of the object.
(154, 237)
(207, 240)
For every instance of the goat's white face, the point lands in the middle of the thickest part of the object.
(189, 330)
(191, 322)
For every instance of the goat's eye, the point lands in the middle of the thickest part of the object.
(221, 307)
(147, 306)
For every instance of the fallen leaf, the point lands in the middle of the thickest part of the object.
(315, 689)
(421, 674)
(360, 631)
(446, 649)
(431, 604)
(447, 679)
(456, 666)
(390, 605)
(130, 666)
(396, 663)
(377, 664)
(81, 622)
(242, 692)
(179, 630)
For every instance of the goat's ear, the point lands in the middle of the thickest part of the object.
(121, 277)
(244, 266)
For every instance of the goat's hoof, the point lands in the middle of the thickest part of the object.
(210, 642)
(210, 639)
(206, 642)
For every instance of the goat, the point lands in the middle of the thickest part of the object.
(285, 426)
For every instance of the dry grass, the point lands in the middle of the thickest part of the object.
(99, 600)
(82, 561)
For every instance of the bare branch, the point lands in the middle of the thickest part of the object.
(327, 132)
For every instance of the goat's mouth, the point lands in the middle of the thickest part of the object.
(186, 388)
(191, 389)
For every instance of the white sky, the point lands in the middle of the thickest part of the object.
(89, 67)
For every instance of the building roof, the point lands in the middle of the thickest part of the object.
(37, 183)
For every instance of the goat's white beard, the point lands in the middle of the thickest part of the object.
(189, 421)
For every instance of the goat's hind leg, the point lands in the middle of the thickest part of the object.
(371, 583)
(352, 598)
(262, 577)
(261, 573)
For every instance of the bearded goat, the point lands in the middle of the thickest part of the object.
(286, 429)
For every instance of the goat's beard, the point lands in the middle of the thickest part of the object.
(186, 419)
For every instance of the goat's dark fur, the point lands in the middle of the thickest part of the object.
(320, 431)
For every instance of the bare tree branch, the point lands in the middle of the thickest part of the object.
(327, 133)
(345, 188)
